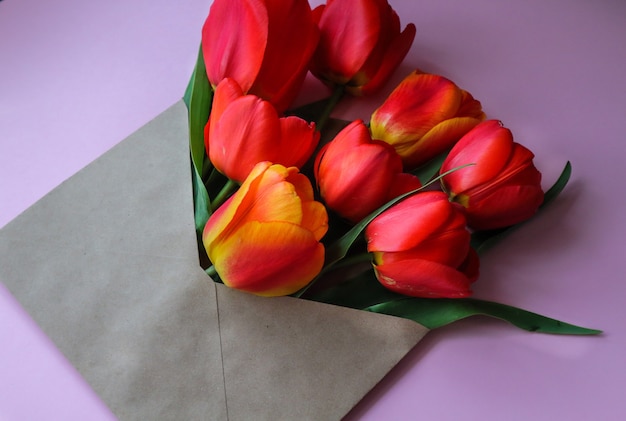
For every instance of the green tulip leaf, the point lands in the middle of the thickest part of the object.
(558, 186)
(483, 240)
(198, 97)
(434, 313)
(364, 292)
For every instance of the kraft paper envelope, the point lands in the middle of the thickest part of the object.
(107, 265)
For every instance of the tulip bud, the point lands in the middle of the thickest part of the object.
(421, 248)
(265, 239)
(360, 44)
(244, 130)
(356, 175)
(264, 45)
(503, 187)
(425, 116)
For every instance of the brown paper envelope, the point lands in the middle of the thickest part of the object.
(107, 265)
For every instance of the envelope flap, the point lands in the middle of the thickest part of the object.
(304, 360)
(107, 265)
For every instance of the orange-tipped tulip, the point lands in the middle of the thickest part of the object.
(244, 130)
(360, 44)
(266, 238)
(421, 248)
(356, 175)
(265, 45)
(425, 116)
(503, 187)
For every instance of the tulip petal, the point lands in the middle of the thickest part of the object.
(389, 28)
(301, 183)
(298, 140)
(276, 201)
(349, 33)
(292, 39)
(507, 205)
(226, 92)
(449, 248)
(409, 222)
(315, 219)
(437, 140)
(350, 186)
(226, 217)
(269, 259)
(394, 54)
(415, 106)
(354, 172)
(470, 107)
(488, 146)
(245, 134)
(403, 183)
(422, 278)
(234, 39)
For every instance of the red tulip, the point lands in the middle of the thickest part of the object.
(425, 116)
(503, 187)
(360, 44)
(356, 175)
(244, 130)
(265, 45)
(265, 239)
(421, 247)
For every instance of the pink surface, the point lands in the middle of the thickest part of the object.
(77, 77)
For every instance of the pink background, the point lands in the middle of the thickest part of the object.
(77, 77)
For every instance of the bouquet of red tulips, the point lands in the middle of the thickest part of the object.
(386, 215)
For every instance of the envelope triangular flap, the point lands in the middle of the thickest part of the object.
(303, 360)
(107, 265)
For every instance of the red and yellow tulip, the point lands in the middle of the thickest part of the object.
(244, 130)
(356, 175)
(265, 45)
(425, 116)
(421, 248)
(266, 238)
(503, 187)
(360, 44)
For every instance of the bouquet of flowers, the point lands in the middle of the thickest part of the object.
(387, 214)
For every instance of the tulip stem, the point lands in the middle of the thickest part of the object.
(224, 194)
(211, 271)
(330, 106)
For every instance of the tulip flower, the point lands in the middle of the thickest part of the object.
(421, 248)
(503, 187)
(425, 116)
(244, 130)
(265, 239)
(360, 44)
(356, 175)
(265, 45)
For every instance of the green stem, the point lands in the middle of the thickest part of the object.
(211, 271)
(224, 194)
(330, 106)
